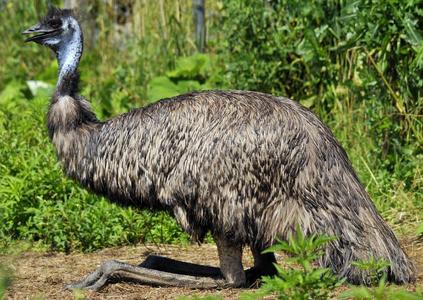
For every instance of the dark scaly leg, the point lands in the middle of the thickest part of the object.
(263, 266)
(230, 257)
(165, 264)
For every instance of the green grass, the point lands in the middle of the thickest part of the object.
(5, 280)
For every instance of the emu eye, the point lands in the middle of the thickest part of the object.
(55, 23)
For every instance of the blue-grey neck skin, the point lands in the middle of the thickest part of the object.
(69, 53)
(68, 111)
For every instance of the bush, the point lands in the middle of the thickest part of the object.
(375, 268)
(192, 73)
(324, 50)
(305, 282)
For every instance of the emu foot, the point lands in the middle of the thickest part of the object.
(254, 274)
(253, 277)
(155, 270)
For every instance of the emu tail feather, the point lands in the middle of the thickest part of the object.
(377, 241)
(360, 232)
(326, 197)
(362, 237)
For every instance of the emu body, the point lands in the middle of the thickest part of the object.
(245, 166)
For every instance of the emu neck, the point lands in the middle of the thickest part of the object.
(68, 56)
(69, 113)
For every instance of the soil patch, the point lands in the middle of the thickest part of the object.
(43, 275)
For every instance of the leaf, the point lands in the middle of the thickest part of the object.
(279, 246)
(184, 86)
(309, 102)
(12, 92)
(318, 273)
(161, 87)
(413, 36)
(356, 293)
(40, 88)
(190, 67)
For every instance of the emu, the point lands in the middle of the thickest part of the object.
(245, 166)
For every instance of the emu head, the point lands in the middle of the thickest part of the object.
(57, 30)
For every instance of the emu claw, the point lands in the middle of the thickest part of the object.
(97, 279)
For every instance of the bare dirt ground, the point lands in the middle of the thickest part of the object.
(43, 275)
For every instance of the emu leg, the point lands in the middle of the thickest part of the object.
(230, 257)
(155, 270)
(165, 264)
(263, 266)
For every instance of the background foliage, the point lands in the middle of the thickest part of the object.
(357, 64)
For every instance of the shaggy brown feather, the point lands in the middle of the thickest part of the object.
(243, 165)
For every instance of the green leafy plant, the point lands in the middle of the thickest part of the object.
(190, 74)
(375, 268)
(381, 292)
(302, 279)
(377, 277)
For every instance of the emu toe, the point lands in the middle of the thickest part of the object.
(155, 273)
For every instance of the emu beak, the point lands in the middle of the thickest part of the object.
(39, 28)
(34, 29)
